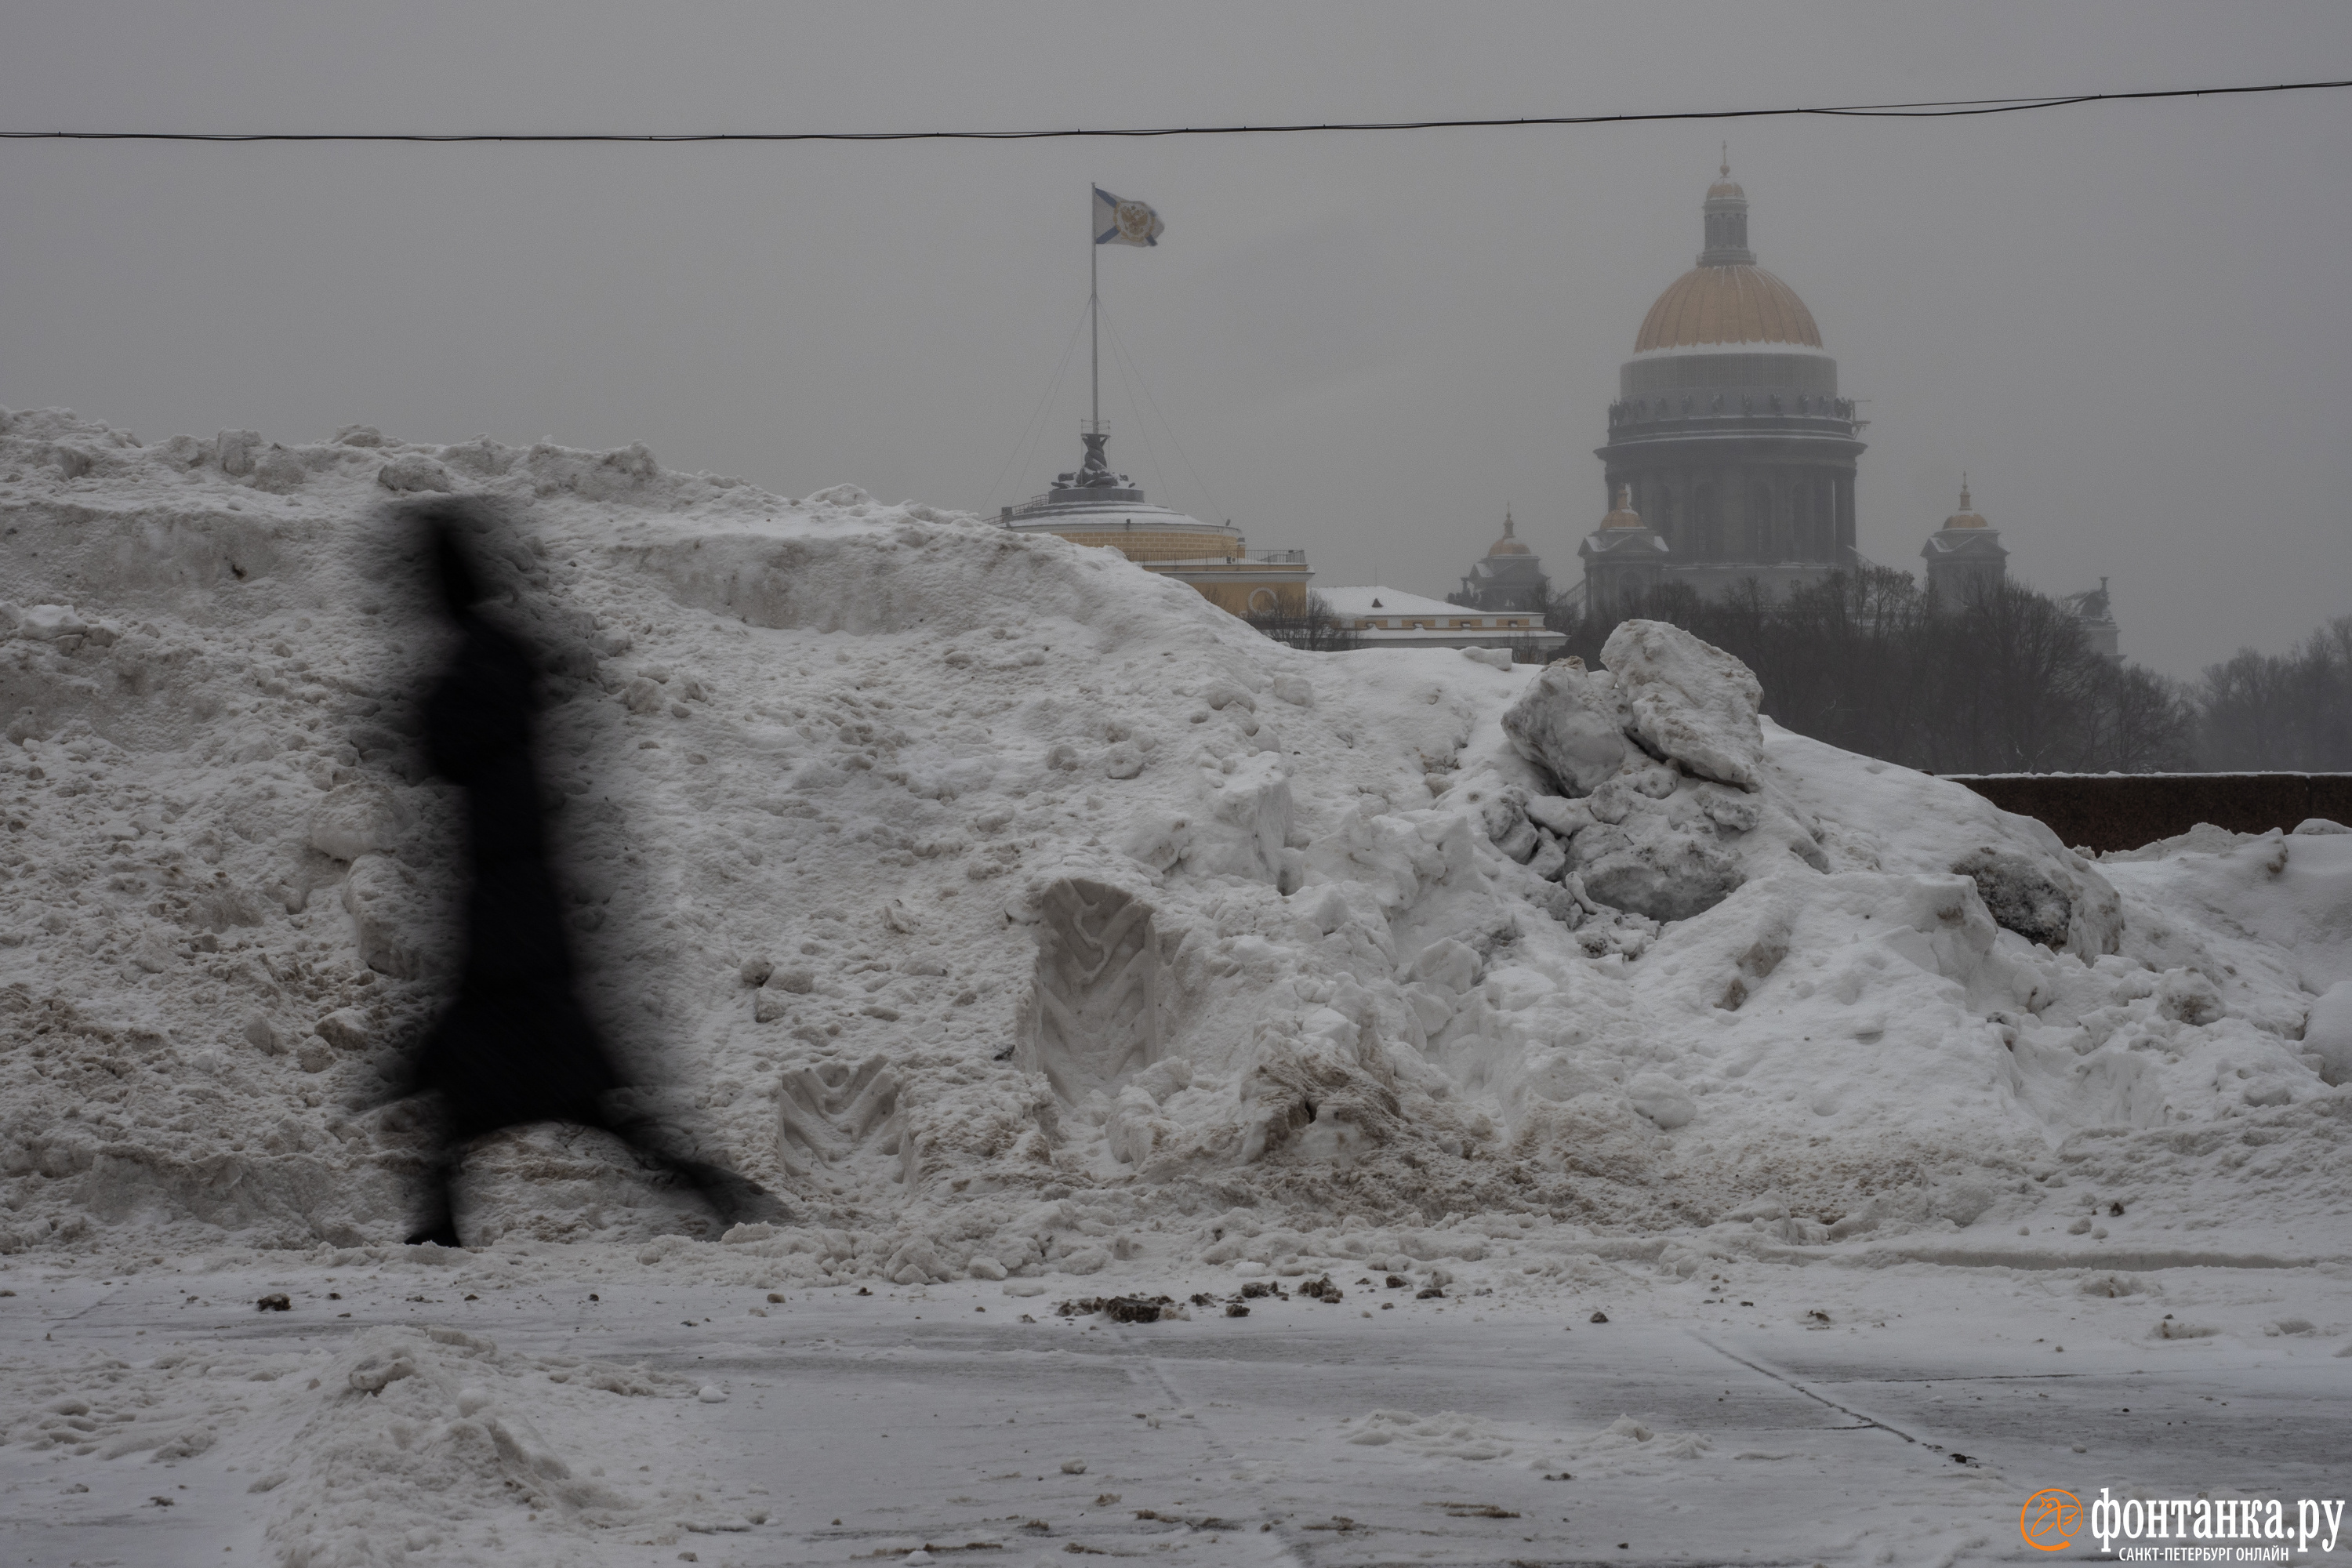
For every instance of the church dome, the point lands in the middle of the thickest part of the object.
(1623, 516)
(1509, 543)
(1727, 299)
(1735, 304)
(1967, 516)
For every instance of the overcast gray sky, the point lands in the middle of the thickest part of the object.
(2130, 324)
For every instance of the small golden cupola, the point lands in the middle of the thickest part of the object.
(1623, 516)
(1967, 516)
(1508, 579)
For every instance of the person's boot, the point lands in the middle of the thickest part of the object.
(439, 1225)
(735, 1199)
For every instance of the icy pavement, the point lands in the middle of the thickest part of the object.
(1891, 1415)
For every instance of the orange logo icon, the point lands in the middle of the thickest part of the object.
(2050, 1520)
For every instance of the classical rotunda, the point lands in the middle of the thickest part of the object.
(1093, 505)
(1728, 443)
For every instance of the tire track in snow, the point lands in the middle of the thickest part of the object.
(1218, 1450)
(1789, 1383)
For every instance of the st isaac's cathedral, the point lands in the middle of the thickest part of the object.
(1730, 454)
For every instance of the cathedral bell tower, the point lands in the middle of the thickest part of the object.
(1622, 559)
(1963, 557)
(1508, 577)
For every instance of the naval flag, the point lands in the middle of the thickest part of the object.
(1121, 222)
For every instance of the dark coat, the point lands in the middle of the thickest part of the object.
(514, 1046)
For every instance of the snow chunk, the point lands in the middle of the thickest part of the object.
(1448, 1434)
(47, 622)
(1572, 721)
(358, 819)
(1688, 700)
(415, 471)
(388, 916)
(1672, 804)
(2328, 1033)
(2022, 896)
(1662, 1100)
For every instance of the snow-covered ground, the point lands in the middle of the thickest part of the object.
(550, 1410)
(1038, 933)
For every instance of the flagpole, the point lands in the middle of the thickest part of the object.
(1094, 329)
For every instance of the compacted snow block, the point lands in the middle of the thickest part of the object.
(2023, 896)
(2328, 1033)
(1668, 875)
(1672, 804)
(1662, 755)
(356, 819)
(1688, 700)
(1572, 723)
(2060, 900)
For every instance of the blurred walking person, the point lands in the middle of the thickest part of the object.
(514, 1046)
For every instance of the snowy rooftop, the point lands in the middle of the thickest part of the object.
(1364, 602)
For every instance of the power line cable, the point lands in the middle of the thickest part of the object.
(1933, 109)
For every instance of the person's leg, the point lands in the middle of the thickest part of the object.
(437, 1221)
(732, 1197)
(447, 1143)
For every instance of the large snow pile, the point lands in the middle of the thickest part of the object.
(1010, 910)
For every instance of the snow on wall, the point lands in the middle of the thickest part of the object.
(991, 898)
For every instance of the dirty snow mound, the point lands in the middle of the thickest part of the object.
(1014, 912)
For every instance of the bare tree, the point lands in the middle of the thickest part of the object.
(2004, 681)
(2289, 713)
(1315, 626)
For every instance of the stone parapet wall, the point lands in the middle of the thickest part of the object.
(2125, 810)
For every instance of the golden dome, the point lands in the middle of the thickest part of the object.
(1625, 516)
(1737, 304)
(1509, 543)
(1967, 516)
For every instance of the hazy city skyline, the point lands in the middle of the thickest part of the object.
(2116, 319)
